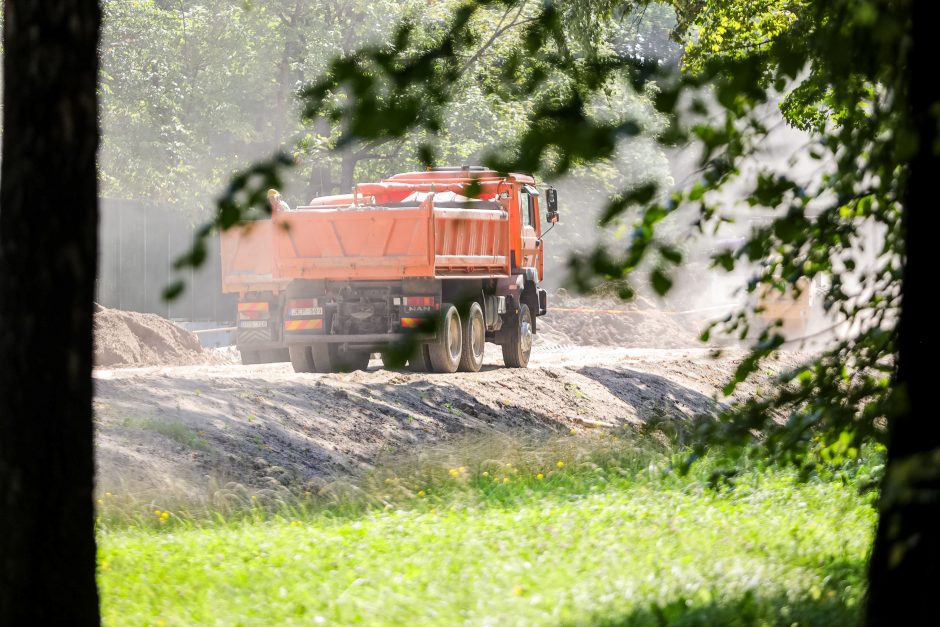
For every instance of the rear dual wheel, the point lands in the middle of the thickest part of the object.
(266, 356)
(420, 360)
(474, 339)
(445, 353)
(301, 358)
(327, 358)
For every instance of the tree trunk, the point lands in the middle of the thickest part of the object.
(905, 562)
(48, 257)
(321, 173)
(347, 176)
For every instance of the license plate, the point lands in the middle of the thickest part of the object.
(253, 324)
(306, 311)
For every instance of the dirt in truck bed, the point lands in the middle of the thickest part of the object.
(181, 428)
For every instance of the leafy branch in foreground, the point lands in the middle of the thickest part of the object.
(792, 51)
(842, 72)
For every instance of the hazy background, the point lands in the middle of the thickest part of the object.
(192, 91)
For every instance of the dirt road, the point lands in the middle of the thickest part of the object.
(175, 427)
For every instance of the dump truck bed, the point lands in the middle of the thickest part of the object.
(409, 238)
(248, 259)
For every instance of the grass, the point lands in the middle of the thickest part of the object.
(584, 530)
(173, 429)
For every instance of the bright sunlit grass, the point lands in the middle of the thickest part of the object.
(566, 534)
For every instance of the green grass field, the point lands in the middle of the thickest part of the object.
(574, 534)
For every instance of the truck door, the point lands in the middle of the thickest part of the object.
(529, 215)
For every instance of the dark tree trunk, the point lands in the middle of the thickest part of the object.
(48, 257)
(905, 562)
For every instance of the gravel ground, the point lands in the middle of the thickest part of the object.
(182, 427)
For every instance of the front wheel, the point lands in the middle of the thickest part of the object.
(518, 346)
(445, 353)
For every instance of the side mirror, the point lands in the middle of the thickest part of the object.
(551, 199)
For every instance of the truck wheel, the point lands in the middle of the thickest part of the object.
(327, 358)
(322, 358)
(249, 357)
(351, 360)
(446, 351)
(420, 361)
(391, 363)
(518, 348)
(301, 359)
(474, 339)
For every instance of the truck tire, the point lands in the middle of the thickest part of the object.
(301, 359)
(327, 358)
(445, 353)
(391, 363)
(249, 357)
(351, 361)
(321, 358)
(518, 346)
(474, 339)
(420, 361)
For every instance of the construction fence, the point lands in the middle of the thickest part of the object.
(138, 244)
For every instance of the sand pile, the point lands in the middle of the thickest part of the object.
(128, 338)
(590, 321)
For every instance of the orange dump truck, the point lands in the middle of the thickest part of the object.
(441, 261)
(248, 270)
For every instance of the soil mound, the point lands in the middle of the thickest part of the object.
(128, 338)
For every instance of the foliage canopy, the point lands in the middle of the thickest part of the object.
(829, 67)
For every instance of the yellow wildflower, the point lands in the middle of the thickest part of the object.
(540, 476)
(505, 479)
(560, 464)
(421, 493)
